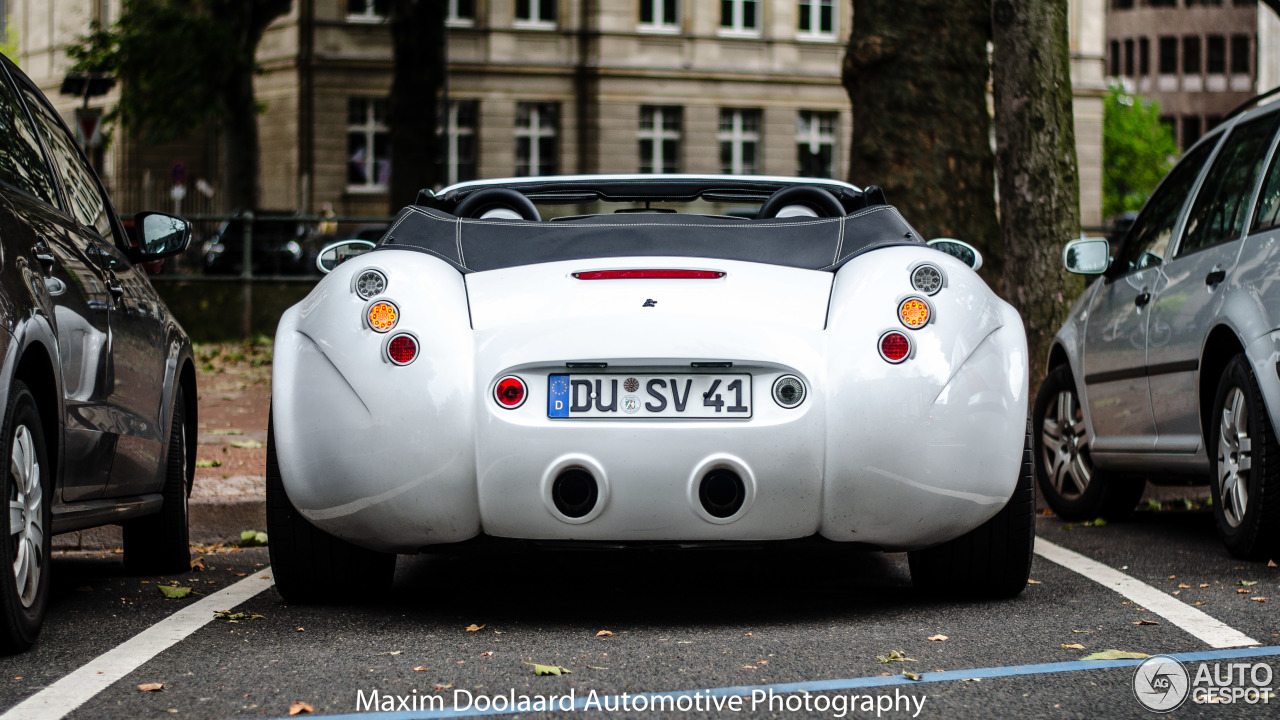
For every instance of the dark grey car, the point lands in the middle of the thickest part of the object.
(96, 377)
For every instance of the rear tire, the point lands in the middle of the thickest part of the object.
(1246, 460)
(28, 487)
(160, 544)
(309, 564)
(992, 561)
(1064, 468)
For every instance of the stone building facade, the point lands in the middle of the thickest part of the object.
(536, 87)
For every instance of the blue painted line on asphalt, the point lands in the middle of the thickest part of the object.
(816, 686)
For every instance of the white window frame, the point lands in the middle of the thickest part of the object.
(368, 15)
(737, 29)
(370, 128)
(814, 9)
(454, 21)
(453, 132)
(661, 131)
(809, 132)
(535, 21)
(536, 130)
(737, 137)
(659, 25)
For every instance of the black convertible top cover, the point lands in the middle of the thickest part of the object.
(801, 242)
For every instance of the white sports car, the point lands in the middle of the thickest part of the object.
(664, 360)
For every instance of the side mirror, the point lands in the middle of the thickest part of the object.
(160, 235)
(337, 253)
(1087, 256)
(958, 249)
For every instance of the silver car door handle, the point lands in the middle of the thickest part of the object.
(1215, 277)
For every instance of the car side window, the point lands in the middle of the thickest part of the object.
(22, 164)
(1267, 214)
(1149, 237)
(1218, 214)
(87, 202)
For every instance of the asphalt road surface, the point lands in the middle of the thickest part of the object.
(760, 633)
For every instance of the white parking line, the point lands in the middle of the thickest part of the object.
(1212, 631)
(57, 700)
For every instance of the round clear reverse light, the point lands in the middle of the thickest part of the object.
(370, 283)
(926, 279)
(788, 391)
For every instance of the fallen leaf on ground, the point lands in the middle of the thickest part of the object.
(391, 652)
(593, 667)
(1034, 582)
(235, 617)
(1183, 586)
(604, 633)
(1145, 622)
(1073, 646)
(246, 444)
(421, 669)
(1246, 583)
(225, 431)
(151, 687)
(911, 676)
(1116, 655)
(938, 638)
(444, 687)
(474, 627)
(1271, 563)
(300, 707)
(301, 630)
(1258, 599)
(198, 563)
(894, 656)
(549, 669)
(1173, 577)
(208, 463)
(487, 654)
(176, 593)
(748, 667)
(762, 662)
(1087, 632)
(1204, 584)
(1242, 591)
(1200, 603)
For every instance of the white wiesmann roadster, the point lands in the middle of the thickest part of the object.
(673, 360)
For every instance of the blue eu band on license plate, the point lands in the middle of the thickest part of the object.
(722, 396)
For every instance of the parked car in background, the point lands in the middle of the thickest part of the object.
(97, 383)
(1168, 367)
(641, 369)
(281, 245)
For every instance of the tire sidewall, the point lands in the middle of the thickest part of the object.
(22, 624)
(1237, 375)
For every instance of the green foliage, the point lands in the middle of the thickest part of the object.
(9, 43)
(172, 60)
(1137, 151)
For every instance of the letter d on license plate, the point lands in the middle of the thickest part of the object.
(711, 397)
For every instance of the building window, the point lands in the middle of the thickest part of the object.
(1144, 56)
(536, 130)
(536, 13)
(368, 145)
(1191, 55)
(460, 136)
(660, 139)
(1190, 130)
(740, 17)
(660, 15)
(1114, 60)
(1168, 56)
(1128, 57)
(1121, 4)
(1162, 3)
(1216, 59)
(461, 13)
(816, 143)
(817, 19)
(368, 10)
(1241, 58)
(739, 138)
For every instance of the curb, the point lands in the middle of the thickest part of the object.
(210, 522)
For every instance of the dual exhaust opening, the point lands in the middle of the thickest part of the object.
(721, 492)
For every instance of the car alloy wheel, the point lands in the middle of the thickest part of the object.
(1234, 459)
(1065, 456)
(26, 515)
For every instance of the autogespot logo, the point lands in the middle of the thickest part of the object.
(1161, 683)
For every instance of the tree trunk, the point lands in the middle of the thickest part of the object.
(1036, 157)
(246, 21)
(916, 72)
(417, 85)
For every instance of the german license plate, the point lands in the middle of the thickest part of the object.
(713, 397)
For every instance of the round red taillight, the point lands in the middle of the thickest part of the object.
(402, 349)
(894, 346)
(510, 392)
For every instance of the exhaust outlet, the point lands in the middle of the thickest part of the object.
(722, 493)
(575, 492)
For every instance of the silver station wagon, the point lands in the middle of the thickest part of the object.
(1168, 368)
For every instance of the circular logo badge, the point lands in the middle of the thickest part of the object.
(1161, 683)
(630, 404)
(631, 384)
